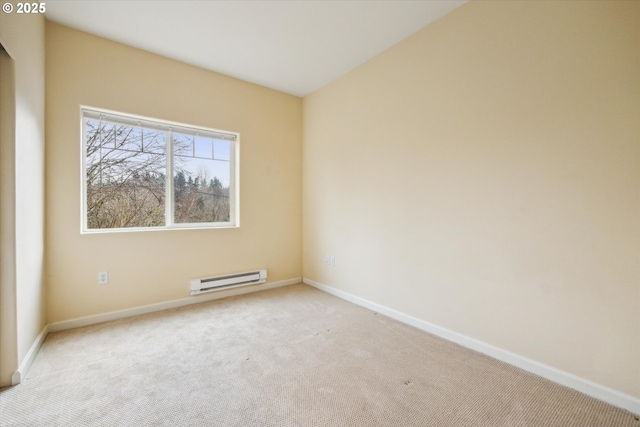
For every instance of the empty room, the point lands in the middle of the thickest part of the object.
(320, 213)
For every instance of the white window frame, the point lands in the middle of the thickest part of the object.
(168, 127)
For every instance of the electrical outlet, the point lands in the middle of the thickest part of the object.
(327, 259)
(103, 278)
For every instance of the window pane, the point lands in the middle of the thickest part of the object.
(106, 137)
(182, 145)
(203, 147)
(201, 190)
(125, 186)
(154, 141)
(91, 132)
(222, 149)
(128, 138)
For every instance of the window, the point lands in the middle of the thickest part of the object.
(141, 173)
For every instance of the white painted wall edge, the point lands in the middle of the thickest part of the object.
(566, 379)
(21, 373)
(134, 311)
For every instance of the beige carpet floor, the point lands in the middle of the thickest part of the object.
(291, 356)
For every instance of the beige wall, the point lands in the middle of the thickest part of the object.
(149, 267)
(484, 175)
(23, 38)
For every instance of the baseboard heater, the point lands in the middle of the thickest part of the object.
(216, 283)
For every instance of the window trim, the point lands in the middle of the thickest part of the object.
(168, 127)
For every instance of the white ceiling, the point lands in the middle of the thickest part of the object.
(294, 46)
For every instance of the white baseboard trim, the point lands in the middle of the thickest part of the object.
(134, 311)
(21, 373)
(566, 379)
